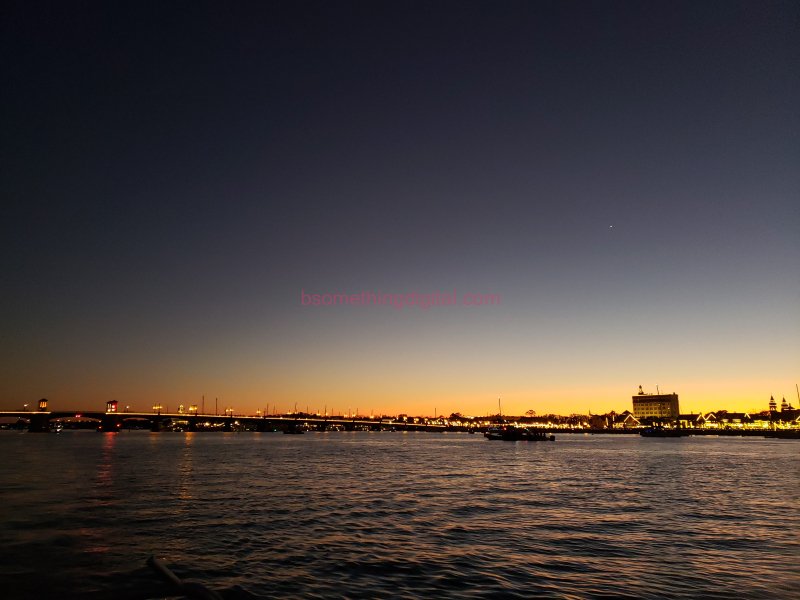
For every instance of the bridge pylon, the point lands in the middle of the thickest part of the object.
(110, 423)
(39, 422)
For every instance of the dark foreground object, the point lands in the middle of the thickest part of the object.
(188, 589)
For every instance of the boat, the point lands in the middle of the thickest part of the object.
(495, 432)
(512, 433)
(661, 432)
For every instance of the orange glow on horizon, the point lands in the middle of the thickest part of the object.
(740, 396)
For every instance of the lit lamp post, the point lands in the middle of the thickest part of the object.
(157, 408)
(193, 409)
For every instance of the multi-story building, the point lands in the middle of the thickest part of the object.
(662, 406)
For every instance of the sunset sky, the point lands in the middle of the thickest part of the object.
(625, 175)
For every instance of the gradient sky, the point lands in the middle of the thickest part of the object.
(175, 173)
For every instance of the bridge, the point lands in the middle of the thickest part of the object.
(40, 421)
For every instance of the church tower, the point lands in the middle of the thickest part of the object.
(773, 406)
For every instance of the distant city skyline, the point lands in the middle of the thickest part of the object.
(222, 406)
(624, 175)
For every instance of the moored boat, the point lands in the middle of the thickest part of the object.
(660, 432)
(511, 433)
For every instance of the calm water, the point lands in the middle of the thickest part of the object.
(399, 515)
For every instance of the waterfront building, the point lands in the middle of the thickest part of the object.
(660, 406)
(733, 420)
(790, 414)
(787, 414)
(692, 421)
(601, 421)
(626, 420)
(762, 420)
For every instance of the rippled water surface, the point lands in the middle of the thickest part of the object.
(399, 515)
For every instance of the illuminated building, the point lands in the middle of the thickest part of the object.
(661, 406)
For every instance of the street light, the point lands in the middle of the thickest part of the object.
(157, 408)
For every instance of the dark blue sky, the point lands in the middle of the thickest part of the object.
(175, 173)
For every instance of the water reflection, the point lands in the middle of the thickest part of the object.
(104, 478)
(412, 515)
(186, 470)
